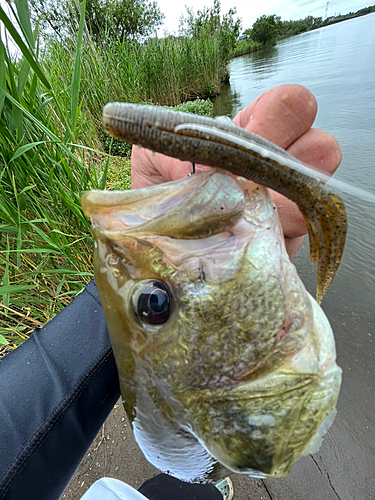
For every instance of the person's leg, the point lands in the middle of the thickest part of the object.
(56, 391)
(164, 487)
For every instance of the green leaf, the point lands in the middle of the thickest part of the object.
(3, 340)
(105, 173)
(6, 276)
(37, 250)
(77, 69)
(46, 130)
(72, 272)
(15, 122)
(23, 149)
(24, 21)
(8, 229)
(23, 48)
(15, 288)
(22, 76)
(59, 286)
(2, 74)
(25, 189)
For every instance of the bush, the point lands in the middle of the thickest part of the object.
(197, 107)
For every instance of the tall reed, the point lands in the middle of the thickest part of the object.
(165, 72)
(44, 238)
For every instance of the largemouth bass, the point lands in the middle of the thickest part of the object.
(225, 361)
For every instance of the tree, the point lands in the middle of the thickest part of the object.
(266, 29)
(123, 19)
(209, 22)
(106, 20)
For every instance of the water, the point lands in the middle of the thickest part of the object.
(337, 63)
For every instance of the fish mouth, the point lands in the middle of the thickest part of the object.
(199, 206)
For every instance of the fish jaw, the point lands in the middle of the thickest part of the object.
(260, 428)
(238, 362)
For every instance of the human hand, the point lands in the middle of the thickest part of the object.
(283, 115)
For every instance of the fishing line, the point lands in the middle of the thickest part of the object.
(219, 136)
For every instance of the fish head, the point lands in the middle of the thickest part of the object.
(223, 357)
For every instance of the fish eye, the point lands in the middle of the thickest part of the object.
(152, 302)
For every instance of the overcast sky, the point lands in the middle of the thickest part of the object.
(249, 11)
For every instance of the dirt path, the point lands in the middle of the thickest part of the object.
(114, 453)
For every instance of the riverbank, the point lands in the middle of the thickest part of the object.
(287, 29)
(247, 46)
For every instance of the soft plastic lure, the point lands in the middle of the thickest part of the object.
(219, 143)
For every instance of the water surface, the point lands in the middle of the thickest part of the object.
(337, 63)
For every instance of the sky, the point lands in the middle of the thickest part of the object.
(249, 11)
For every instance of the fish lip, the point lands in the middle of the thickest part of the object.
(199, 206)
(91, 199)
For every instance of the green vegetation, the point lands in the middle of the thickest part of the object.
(196, 107)
(106, 21)
(163, 71)
(53, 148)
(268, 29)
(291, 28)
(265, 30)
(45, 239)
(349, 15)
(209, 24)
(245, 46)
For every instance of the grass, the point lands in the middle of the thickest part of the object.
(44, 238)
(246, 46)
(50, 136)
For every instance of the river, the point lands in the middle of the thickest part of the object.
(337, 64)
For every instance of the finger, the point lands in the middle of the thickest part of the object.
(318, 149)
(150, 168)
(293, 245)
(290, 217)
(281, 115)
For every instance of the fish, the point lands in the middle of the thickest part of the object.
(226, 363)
